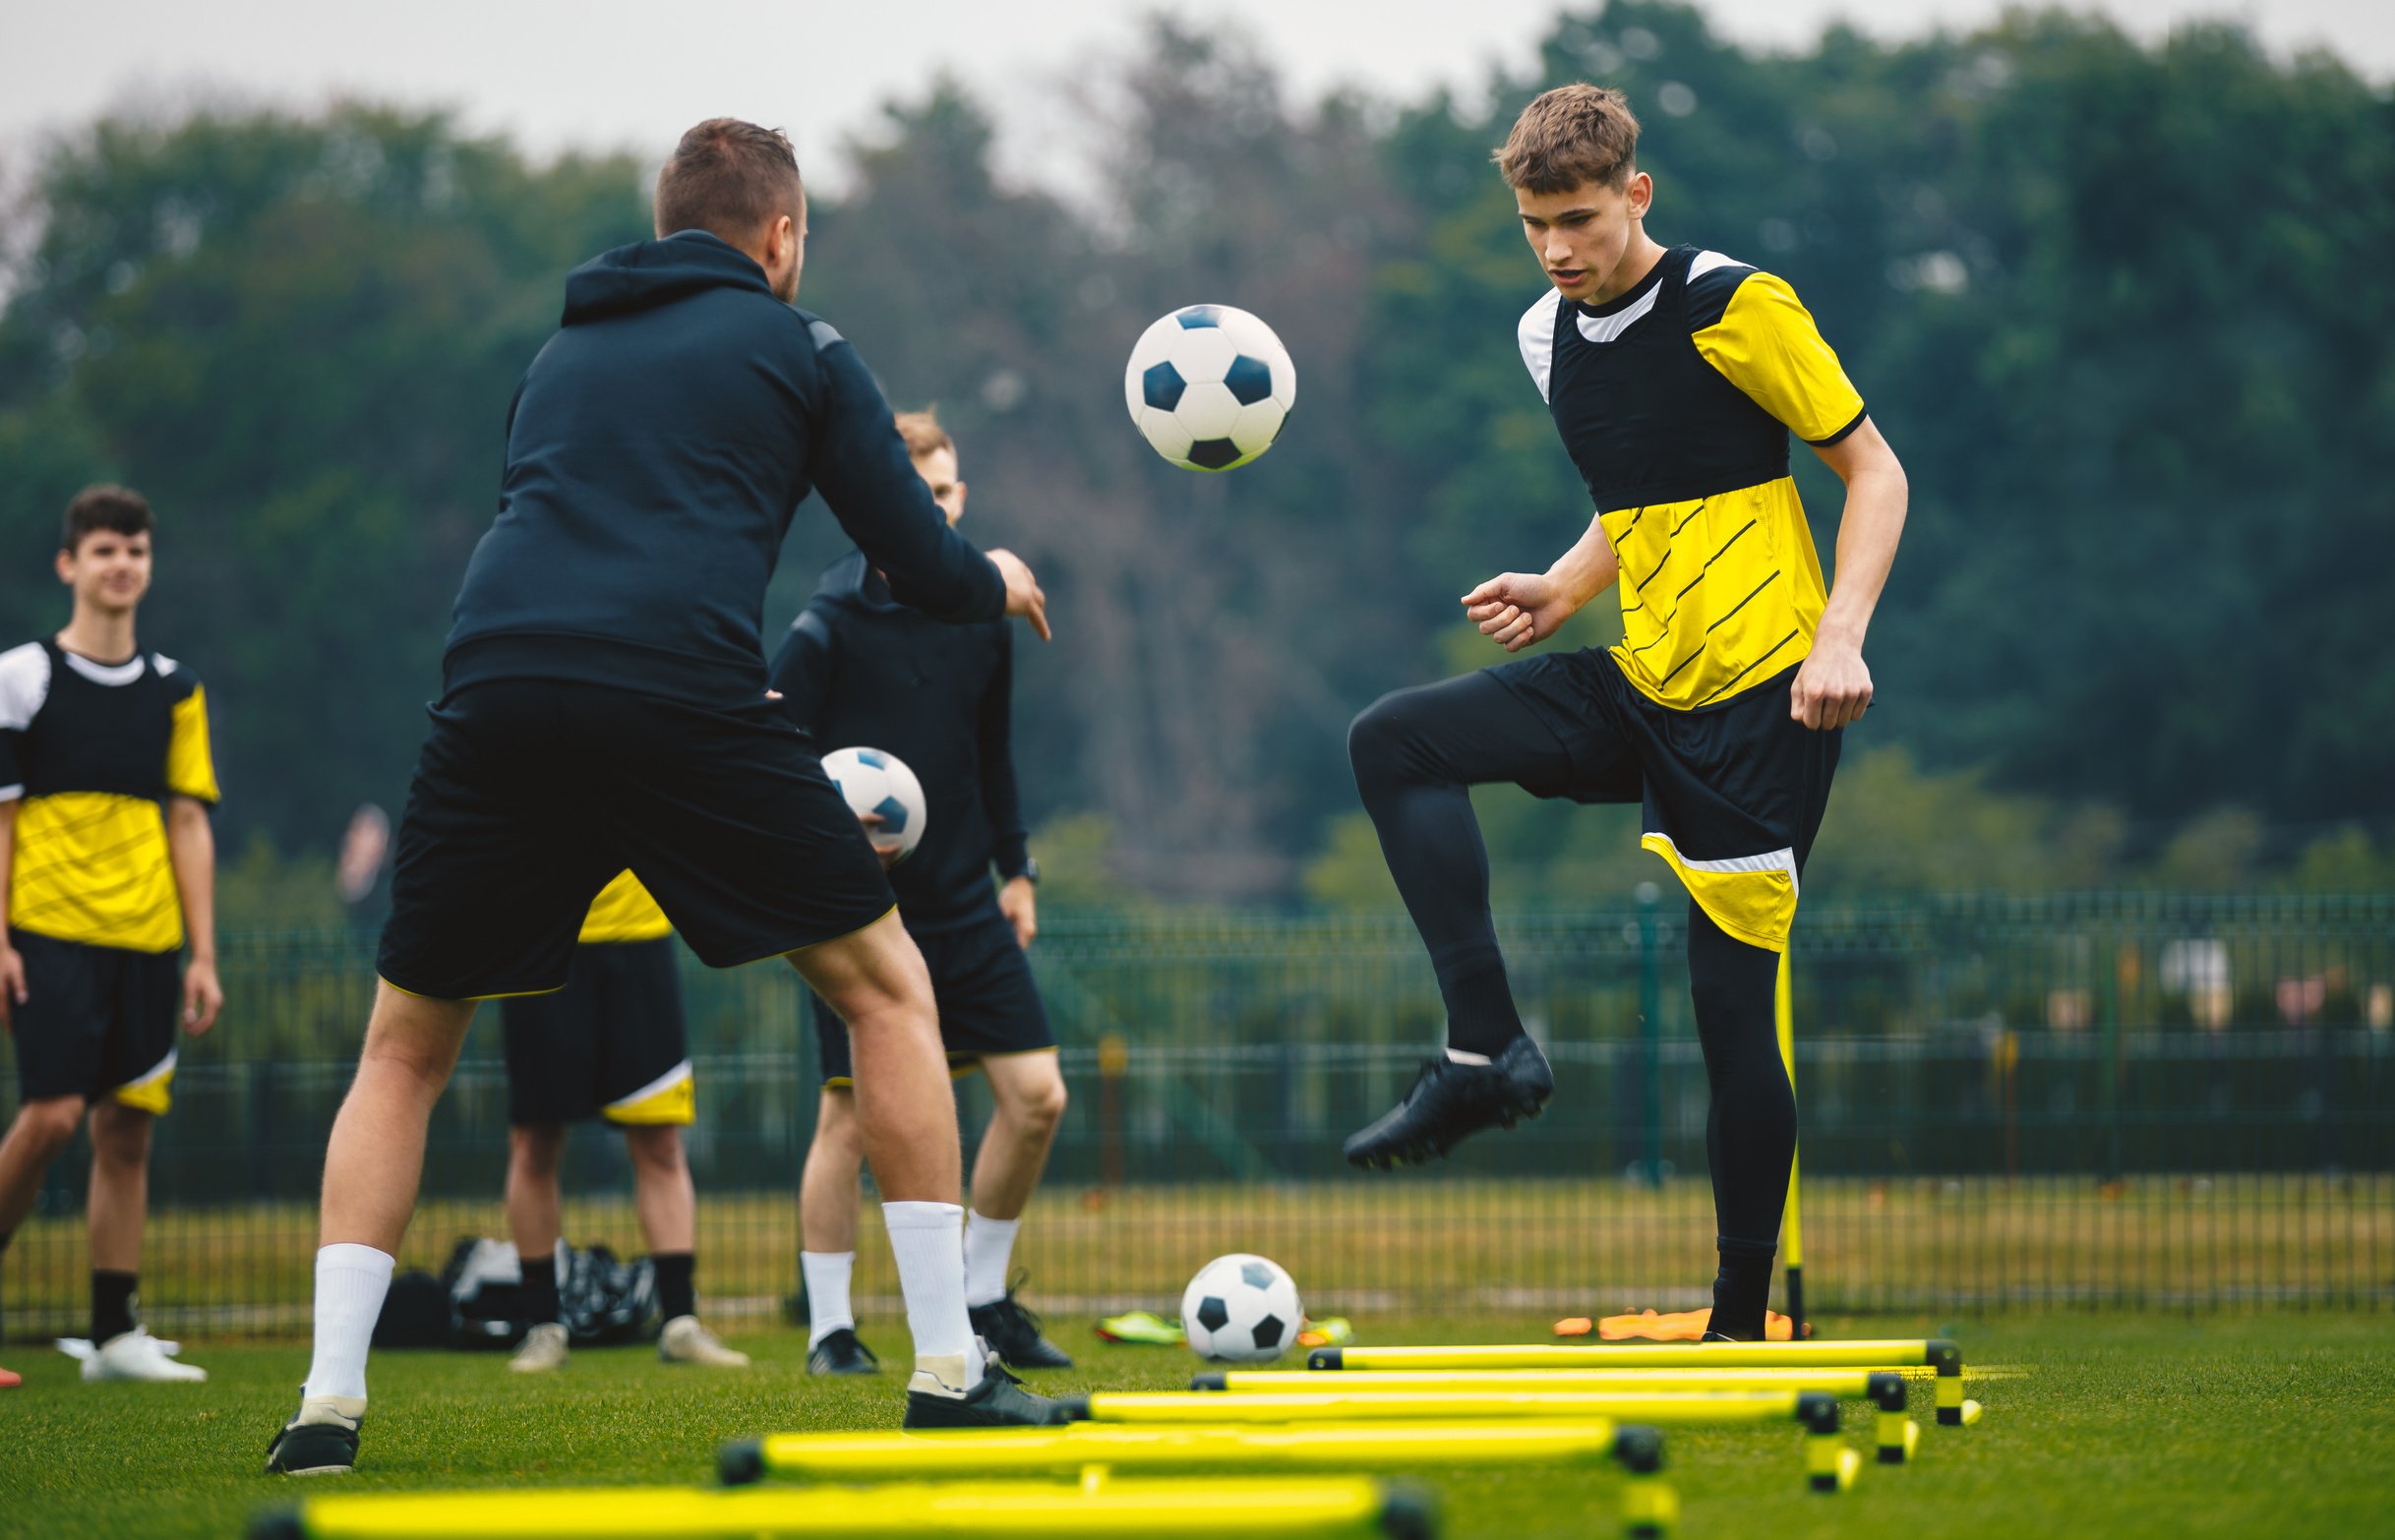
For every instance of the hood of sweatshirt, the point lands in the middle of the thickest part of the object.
(649, 273)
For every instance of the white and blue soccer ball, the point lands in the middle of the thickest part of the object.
(1209, 386)
(874, 780)
(1242, 1309)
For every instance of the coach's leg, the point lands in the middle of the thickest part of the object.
(906, 1116)
(1028, 1093)
(372, 1166)
(827, 1214)
(116, 1210)
(1750, 1131)
(1417, 753)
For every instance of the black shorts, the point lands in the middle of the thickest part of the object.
(610, 1044)
(531, 795)
(97, 1021)
(1732, 794)
(989, 1003)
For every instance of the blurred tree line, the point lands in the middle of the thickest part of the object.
(2122, 310)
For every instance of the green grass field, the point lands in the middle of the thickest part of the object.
(2119, 1425)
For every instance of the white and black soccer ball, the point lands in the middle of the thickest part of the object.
(1209, 386)
(874, 780)
(1242, 1309)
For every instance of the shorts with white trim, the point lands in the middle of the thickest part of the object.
(97, 1021)
(610, 1044)
(1732, 793)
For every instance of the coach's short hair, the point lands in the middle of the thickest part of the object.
(120, 511)
(728, 178)
(923, 433)
(1571, 137)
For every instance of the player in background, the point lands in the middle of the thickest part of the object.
(608, 1046)
(861, 670)
(603, 707)
(1675, 378)
(110, 868)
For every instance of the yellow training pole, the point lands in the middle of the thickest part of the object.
(1378, 1405)
(1321, 1509)
(1885, 1388)
(1783, 1015)
(1863, 1354)
(855, 1456)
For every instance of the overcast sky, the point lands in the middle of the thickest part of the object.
(606, 73)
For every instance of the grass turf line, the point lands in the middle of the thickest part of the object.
(2128, 1426)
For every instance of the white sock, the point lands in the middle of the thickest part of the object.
(929, 1240)
(827, 1307)
(988, 1248)
(1465, 1056)
(350, 1282)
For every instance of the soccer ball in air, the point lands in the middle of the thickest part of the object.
(1210, 387)
(877, 782)
(1241, 1309)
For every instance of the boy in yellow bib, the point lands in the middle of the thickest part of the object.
(1675, 378)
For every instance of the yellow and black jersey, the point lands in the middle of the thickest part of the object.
(1675, 401)
(90, 752)
(624, 911)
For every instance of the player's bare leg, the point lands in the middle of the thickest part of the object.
(667, 1201)
(535, 1219)
(39, 1134)
(827, 1236)
(877, 980)
(374, 1164)
(1028, 1093)
(117, 1205)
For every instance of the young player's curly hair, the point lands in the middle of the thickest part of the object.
(728, 178)
(1571, 137)
(923, 433)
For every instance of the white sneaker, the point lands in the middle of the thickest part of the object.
(544, 1348)
(137, 1355)
(686, 1342)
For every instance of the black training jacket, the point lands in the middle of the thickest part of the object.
(861, 670)
(657, 448)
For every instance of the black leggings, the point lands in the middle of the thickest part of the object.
(1418, 752)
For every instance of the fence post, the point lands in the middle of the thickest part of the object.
(1114, 1063)
(1650, 1033)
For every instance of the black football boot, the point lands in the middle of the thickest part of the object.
(1449, 1102)
(1013, 1334)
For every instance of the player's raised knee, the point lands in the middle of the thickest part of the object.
(1380, 735)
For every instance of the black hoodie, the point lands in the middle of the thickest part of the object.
(860, 670)
(657, 448)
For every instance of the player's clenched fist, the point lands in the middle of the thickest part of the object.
(1515, 608)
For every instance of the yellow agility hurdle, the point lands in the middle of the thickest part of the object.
(1829, 1465)
(1898, 1435)
(1078, 1446)
(1321, 1509)
(1936, 1353)
(1649, 1508)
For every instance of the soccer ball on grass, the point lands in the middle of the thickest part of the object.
(1242, 1309)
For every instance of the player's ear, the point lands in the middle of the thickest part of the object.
(66, 565)
(1640, 193)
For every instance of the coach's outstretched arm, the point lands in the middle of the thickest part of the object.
(1833, 687)
(872, 487)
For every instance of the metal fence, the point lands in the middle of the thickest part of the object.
(2104, 1100)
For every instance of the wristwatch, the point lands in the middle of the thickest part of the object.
(1031, 872)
